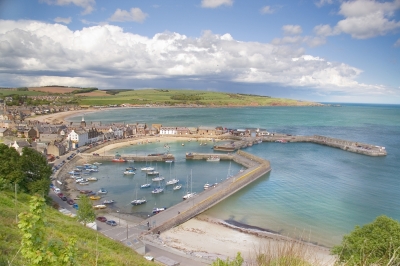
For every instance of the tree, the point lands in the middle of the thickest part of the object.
(35, 247)
(238, 261)
(377, 243)
(10, 167)
(85, 211)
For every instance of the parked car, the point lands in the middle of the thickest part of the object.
(57, 157)
(60, 195)
(111, 222)
(75, 206)
(70, 201)
(101, 219)
(64, 198)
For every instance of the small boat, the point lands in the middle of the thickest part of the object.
(85, 191)
(213, 159)
(153, 173)
(157, 190)
(183, 144)
(177, 187)
(97, 163)
(172, 182)
(138, 201)
(83, 183)
(99, 206)
(158, 178)
(108, 201)
(130, 168)
(129, 172)
(118, 160)
(147, 168)
(169, 161)
(206, 186)
(145, 185)
(102, 191)
(157, 210)
(91, 178)
(189, 195)
(94, 197)
(131, 161)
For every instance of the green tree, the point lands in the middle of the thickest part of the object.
(85, 211)
(238, 261)
(10, 167)
(377, 243)
(35, 247)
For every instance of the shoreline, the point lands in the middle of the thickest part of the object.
(225, 238)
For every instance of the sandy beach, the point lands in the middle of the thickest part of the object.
(207, 237)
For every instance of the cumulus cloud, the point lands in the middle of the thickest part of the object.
(321, 3)
(266, 10)
(63, 20)
(215, 3)
(106, 56)
(135, 14)
(367, 18)
(292, 29)
(87, 5)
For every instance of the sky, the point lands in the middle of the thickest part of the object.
(316, 50)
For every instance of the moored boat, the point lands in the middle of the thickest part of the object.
(177, 187)
(147, 168)
(172, 181)
(99, 206)
(213, 159)
(102, 191)
(94, 197)
(145, 185)
(157, 190)
(129, 172)
(138, 201)
(158, 178)
(157, 210)
(108, 201)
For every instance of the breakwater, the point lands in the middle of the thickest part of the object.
(191, 207)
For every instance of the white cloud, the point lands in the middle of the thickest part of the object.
(63, 20)
(266, 10)
(292, 29)
(368, 18)
(88, 5)
(135, 14)
(397, 43)
(215, 3)
(37, 53)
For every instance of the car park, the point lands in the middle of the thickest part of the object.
(101, 219)
(111, 222)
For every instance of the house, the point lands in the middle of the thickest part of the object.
(19, 145)
(168, 131)
(32, 133)
(141, 129)
(4, 132)
(208, 131)
(78, 138)
(56, 148)
(182, 131)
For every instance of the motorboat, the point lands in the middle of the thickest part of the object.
(157, 190)
(108, 201)
(153, 173)
(213, 159)
(177, 187)
(207, 186)
(94, 197)
(129, 172)
(102, 191)
(147, 169)
(99, 206)
(172, 182)
(158, 178)
(138, 201)
(92, 178)
(157, 210)
(189, 195)
(145, 185)
(97, 163)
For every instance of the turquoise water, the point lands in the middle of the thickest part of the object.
(314, 191)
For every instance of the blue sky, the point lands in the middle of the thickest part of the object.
(321, 50)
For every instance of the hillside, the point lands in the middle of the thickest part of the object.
(186, 97)
(61, 227)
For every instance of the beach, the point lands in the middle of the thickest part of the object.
(206, 237)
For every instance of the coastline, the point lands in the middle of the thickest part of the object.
(224, 238)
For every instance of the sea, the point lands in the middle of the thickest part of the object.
(314, 192)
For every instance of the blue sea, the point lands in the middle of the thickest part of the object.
(314, 192)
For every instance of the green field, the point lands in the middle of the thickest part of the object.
(61, 227)
(187, 97)
(7, 92)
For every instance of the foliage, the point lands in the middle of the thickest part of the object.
(84, 90)
(85, 212)
(22, 89)
(30, 171)
(186, 97)
(238, 261)
(35, 246)
(59, 226)
(377, 243)
(114, 92)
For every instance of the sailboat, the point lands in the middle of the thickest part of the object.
(189, 194)
(138, 201)
(229, 171)
(171, 181)
(158, 189)
(145, 185)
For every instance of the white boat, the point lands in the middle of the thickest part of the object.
(207, 186)
(169, 161)
(191, 193)
(138, 201)
(157, 190)
(108, 201)
(91, 178)
(172, 182)
(100, 206)
(153, 173)
(147, 168)
(177, 187)
(145, 185)
(213, 159)
(97, 163)
(102, 191)
(129, 172)
(83, 183)
(157, 210)
(158, 178)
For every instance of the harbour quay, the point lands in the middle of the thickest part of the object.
(191, 207)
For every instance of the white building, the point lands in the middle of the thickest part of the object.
(168, 131)
(78, 138)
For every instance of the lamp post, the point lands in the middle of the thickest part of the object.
(119, 218)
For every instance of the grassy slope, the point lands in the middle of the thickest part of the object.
(62, 227)
(5, 92)
(207, 98)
